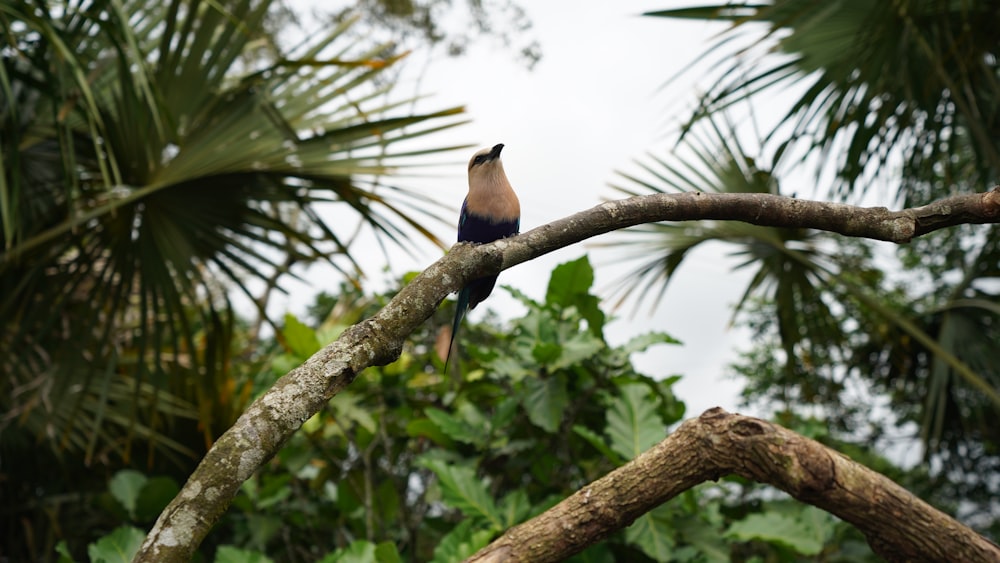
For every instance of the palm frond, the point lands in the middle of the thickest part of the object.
(174, 154)
(713, 161)
(806, 281)
(912, 79)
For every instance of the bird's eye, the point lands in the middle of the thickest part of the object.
(481, 158)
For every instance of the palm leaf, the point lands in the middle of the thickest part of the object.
(802, 278)
(912, 79)
(186, 165)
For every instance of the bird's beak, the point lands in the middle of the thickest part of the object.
(495, 153)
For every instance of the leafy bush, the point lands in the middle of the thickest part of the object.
(413, 464)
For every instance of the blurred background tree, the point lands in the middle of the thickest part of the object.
(411, 464)
(158, 158)
(889, 350)
(451, 25)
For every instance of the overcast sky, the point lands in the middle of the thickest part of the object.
(594, 103)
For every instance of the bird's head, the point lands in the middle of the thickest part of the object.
(484, 157)
(485, 166)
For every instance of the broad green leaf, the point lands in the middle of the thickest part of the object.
(388, 501)
(599, 443)
(458, 429)
(464, 490)
(671, 408)
(273, 489)
(386, 552)
(546, 353)
(63, 551)
(232, 554)
(262, 527)
(155, 495)
(545, 401)
(471, 415)
(632, 423)
(569, 286)
(568, 281)
(358, 551)
(505, 413)
(508, 366)
(427, 428)
(576, 347)
(126, 486)
(347, 407)
(642, 342)
(821, 524)
(299, 337)
(806, 537)
(117, 547)
(516, 507)
(461, 542)
(347, 498)
(653, 534)
(599, 553)
(700, 528)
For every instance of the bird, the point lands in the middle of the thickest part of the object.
(491, 211)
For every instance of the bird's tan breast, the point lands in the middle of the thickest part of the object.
(490, 195)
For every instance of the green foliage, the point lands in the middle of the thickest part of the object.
(634, 424)
(411, 22)
(463, 490)
(125, 487)
(439, 466)
(805, 533)
(545, 402)
(361, 551)
(142, 498)
(881, 80)
(484, 438)
(411, 465)
(299, 338)
(230, 554)
(653, 533)
(156, 156)
(117, 547)
(460, 543)
(835, 328)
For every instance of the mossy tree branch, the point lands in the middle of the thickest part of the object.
(898, 525)
(268, 423)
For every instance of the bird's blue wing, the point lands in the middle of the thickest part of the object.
(462, 216)
(478, 229)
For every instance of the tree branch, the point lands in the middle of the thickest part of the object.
(898, 525)
(265, 426)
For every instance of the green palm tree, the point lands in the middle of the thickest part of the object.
(910, 82)
(156, 157)
(910, 79)
(827, 321)
(791, 265)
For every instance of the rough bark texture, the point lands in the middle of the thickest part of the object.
(261, 431)
(898, 525)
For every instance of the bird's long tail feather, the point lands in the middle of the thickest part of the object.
(460, 310)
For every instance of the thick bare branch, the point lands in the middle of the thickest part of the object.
(261, 431)
(898, 525)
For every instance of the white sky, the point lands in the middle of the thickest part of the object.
(593, 104)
